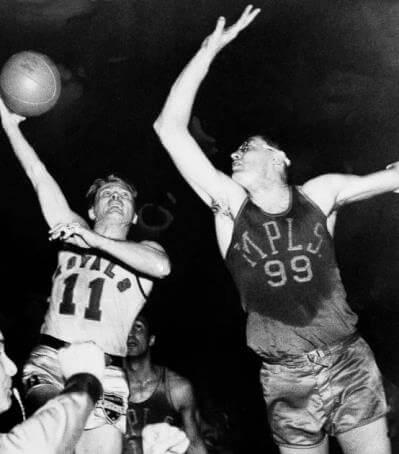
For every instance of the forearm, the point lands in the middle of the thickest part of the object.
(53, 204)
(141, 257)
(23, 151)
(178, 106)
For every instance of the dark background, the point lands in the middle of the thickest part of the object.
(320, 77)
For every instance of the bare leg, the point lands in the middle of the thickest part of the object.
(106, 439)
(369, 439)
(320, 449)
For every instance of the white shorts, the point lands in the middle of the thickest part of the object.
(43, 368)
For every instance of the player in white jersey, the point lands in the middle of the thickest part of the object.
(99, 287)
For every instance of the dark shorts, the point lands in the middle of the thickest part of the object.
(326, 391)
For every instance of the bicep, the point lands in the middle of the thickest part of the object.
(355, 188)
(331, 191)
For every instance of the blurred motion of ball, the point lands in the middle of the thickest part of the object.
(30, 83)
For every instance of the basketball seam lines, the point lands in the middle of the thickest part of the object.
(39, 102)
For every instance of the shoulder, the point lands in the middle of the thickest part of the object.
(180, 388)
(323, 190)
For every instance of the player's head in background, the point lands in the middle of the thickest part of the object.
(141, 337)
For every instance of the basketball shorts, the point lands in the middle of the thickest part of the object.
(42, 369)
(324, 392)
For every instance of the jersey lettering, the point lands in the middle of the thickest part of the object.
(300, 267)
(92, 311)
(279, 240)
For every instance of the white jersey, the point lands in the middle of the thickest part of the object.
(93, 299)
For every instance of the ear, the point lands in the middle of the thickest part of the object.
(152, 341)
(135, 218)
(92, 215)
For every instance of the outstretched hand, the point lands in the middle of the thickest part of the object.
(9, 118)
(221, 36)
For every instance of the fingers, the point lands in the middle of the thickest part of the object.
(4, 111)
(63, 231)
(220, 24)
(245, 19)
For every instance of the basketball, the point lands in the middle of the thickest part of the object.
(30, 83)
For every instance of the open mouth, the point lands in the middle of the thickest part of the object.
(115, 207)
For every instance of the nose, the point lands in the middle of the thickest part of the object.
(115, 196)
(10, 367)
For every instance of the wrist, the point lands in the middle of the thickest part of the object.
(206, 56)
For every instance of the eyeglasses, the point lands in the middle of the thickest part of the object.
(249, 145)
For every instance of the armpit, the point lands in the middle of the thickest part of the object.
(221, 208)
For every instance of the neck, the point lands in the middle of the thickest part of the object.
(268, 186)
(140, 369)
(116, 231)
(272, 196)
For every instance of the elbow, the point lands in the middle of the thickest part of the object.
(162, 127)
(167, 128)
(157, 125)
(164, 268)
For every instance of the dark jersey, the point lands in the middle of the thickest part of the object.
(285, 269)
(157, 408)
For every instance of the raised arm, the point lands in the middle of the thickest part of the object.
(172, 124)
(52, 201)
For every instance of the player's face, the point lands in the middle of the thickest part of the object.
(252, 159)
(139, 339)
(7, 370)
(114, 201)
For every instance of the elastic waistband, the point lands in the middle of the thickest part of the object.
(313, 354)
(54, 342)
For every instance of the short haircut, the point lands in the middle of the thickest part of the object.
(100, 182)
(147, 317)
(269, 141)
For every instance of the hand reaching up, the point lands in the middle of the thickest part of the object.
(223, 35)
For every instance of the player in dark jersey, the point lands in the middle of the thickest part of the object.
(157, 394)
(98, 287)
(318, 376)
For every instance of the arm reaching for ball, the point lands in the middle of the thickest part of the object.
(53, 203)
